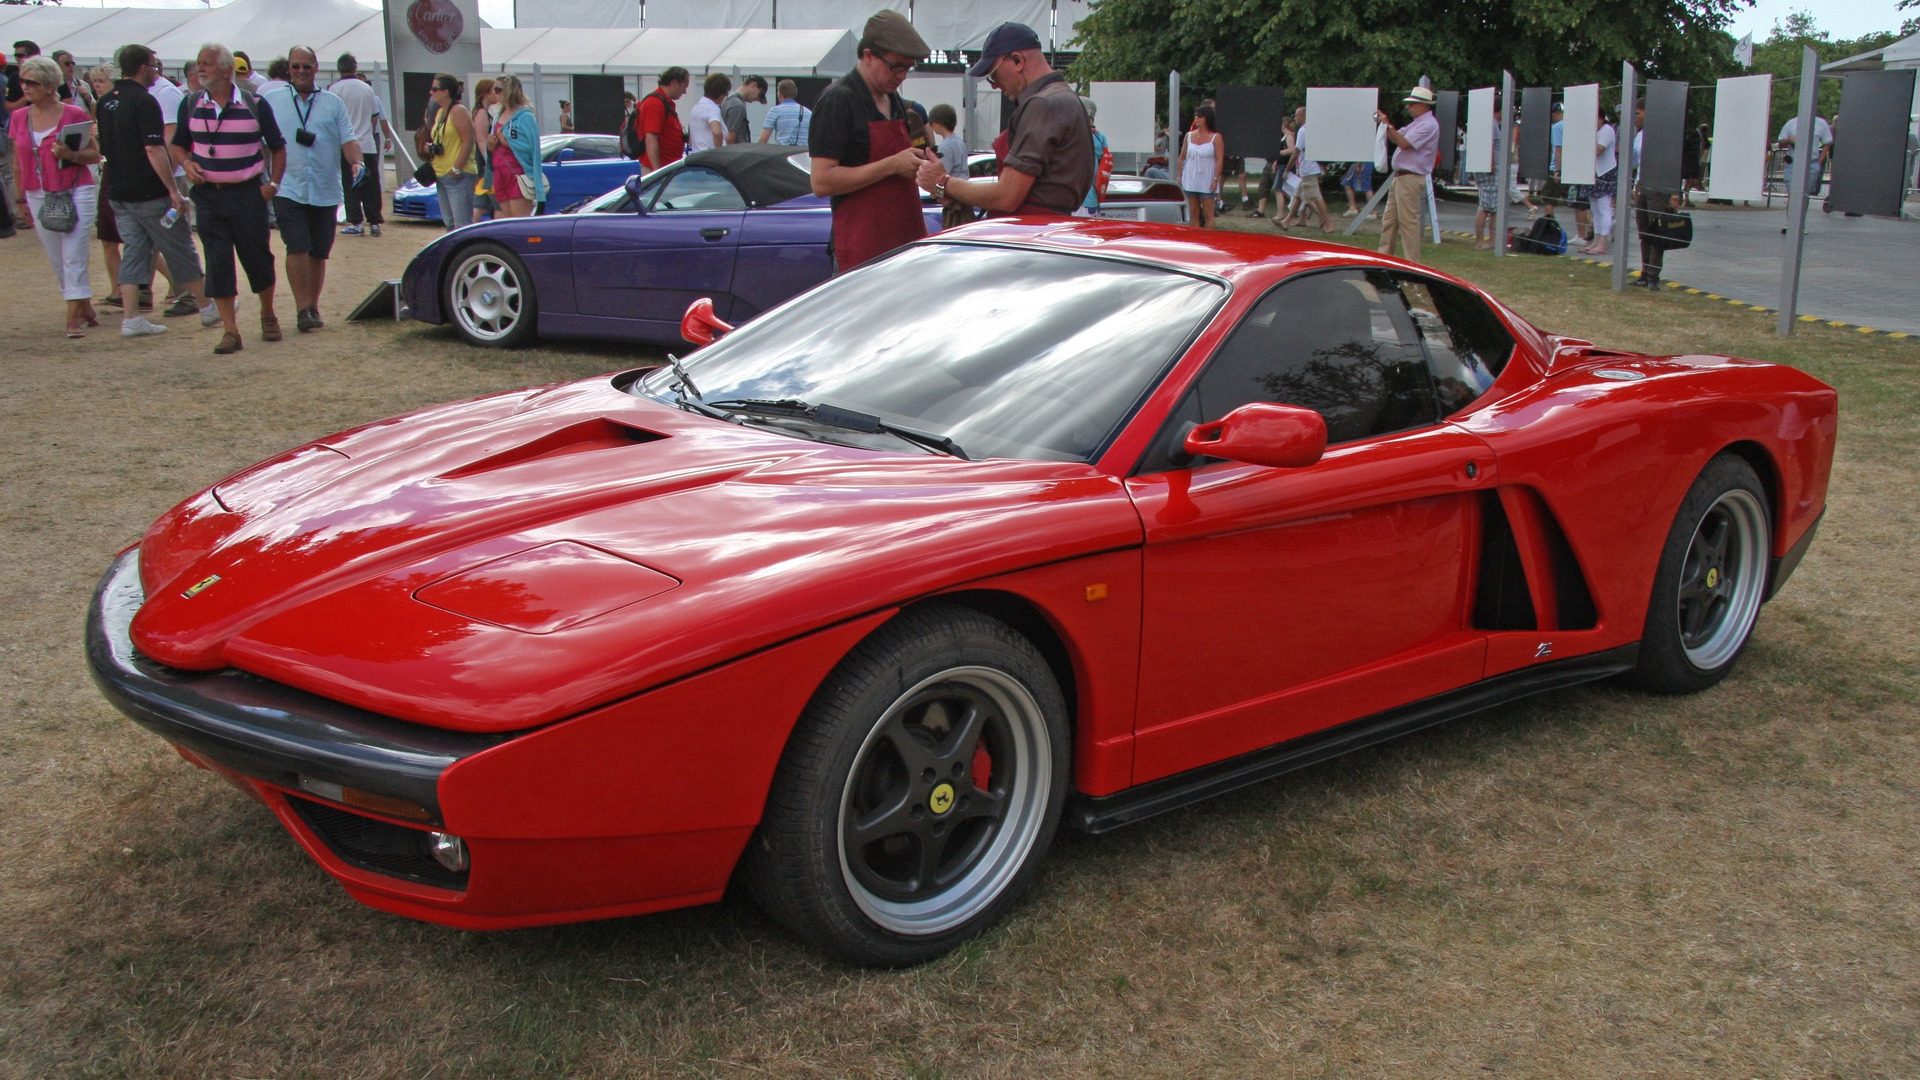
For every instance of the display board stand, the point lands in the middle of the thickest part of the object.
(1807, 164)
(1623, 177)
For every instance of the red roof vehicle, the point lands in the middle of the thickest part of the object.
(1025, 524)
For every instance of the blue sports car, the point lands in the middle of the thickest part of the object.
(577, 166)
(737, 224)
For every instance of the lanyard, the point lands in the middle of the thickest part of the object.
(302, 115)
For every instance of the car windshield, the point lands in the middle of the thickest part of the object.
(1007, 352)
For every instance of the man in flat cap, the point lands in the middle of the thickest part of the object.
(1417, 143)
(1049, 165)
(862, 156)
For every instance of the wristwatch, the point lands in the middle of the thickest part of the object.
(940, 189)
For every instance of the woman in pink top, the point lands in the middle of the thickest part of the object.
(43, 163)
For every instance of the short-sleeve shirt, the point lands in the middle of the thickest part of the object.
(1423, 132)
(169, 96)
(706, 113)
(130, 121)
(733, 117)
(313, 172)
(1051, 140)
(788, 122)
(1822, 134)
(840, 118)
(657, 116)
(363, 104)
(1605, 160)
(229, 140)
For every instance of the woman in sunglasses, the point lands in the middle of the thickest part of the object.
(45, 167)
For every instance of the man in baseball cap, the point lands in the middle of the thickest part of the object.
(862, 156)
(1049, 164)
(1419, 144)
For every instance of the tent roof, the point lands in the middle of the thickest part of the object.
(366, 41)
(662, 47)
(788, 52)
(265, 28)
(1904, 53)
(565, 49)
(499, 44)
(49, 27)
(125, 26)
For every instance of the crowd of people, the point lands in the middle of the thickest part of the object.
(188, 181)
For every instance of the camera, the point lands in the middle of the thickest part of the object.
(435, 149)
(303, 137)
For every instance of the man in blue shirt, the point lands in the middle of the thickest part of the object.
(310, 191)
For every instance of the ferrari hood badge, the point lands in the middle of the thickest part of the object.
(200, 586)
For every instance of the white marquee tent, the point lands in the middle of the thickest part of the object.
(262, 28)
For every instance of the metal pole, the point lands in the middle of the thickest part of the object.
(1502, 159)
(1379, 196)
(1173, 137)
(1806, 157)
(1623, 177)
(539, 122)
(970, 111)
(1433, 210)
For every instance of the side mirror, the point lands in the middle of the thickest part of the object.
(564, 155)
(701, 327)
(633, 186)
(1276, 436)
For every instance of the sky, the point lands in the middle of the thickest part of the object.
(1839, 18)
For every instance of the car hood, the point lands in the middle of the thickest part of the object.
(500, 563)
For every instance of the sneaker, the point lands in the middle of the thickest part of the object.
(181, 306)
(269, 327)
(373, 230)
(1351, 213)
(210, 315)
(140, 326)
(308, 319)
(351, 230)
(229, 344)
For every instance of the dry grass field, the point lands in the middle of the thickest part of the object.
(1588, 884)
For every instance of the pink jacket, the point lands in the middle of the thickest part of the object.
(50, 174)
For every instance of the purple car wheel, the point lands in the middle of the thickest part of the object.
(489, 296)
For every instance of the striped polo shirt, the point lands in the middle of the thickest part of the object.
(229, 142)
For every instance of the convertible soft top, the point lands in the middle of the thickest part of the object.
(760, 170)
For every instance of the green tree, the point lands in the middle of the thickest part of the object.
(1779, 56)
(1391, 43)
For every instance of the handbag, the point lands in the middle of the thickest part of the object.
(1669, 229)
(424, 174)
(526, 186)
(57, 212)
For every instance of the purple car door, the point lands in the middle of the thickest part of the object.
(651, 265)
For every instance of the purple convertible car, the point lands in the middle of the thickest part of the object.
(737, 224)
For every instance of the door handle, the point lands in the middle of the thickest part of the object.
(714, 234)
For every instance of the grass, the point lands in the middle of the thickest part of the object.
(1592, 883)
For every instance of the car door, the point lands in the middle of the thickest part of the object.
(651, 266)
(1278, 602)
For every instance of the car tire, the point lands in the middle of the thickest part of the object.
(919, 792)
(489, 296)
(1711, 582)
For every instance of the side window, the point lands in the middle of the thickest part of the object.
(1467, 345)
(696, 188)
(1338, 343)
(595, 149)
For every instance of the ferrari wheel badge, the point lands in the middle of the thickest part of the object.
(200, 586)
(1713, 577)
(941, 800)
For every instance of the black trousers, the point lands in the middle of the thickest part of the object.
(233, 222)
(362, 201)
(1653, 254)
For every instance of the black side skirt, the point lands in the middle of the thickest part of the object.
(1104, 813)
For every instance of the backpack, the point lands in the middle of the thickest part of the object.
(630, 144)
(1545, 237)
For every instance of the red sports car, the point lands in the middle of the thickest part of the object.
(1029, 523)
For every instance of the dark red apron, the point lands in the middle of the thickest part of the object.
(883, 215)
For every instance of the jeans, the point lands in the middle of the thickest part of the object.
(456, 199)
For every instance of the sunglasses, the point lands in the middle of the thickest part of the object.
(303, 67)
(31, 82)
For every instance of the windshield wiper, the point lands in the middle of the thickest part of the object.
(688, 396)
(836, 417)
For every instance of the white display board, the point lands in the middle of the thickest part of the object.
(1740, 123)
(1124, 114)
(1479, 131)
(1579, 133)
(1342, 121)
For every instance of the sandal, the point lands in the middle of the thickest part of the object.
(76, 328)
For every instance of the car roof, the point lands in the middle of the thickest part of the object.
(1235, 256)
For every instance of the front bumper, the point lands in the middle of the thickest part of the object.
(258, 728)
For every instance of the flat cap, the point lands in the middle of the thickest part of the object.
(889, 31)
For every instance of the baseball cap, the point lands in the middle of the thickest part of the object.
(1008, 37)
(241, 67)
